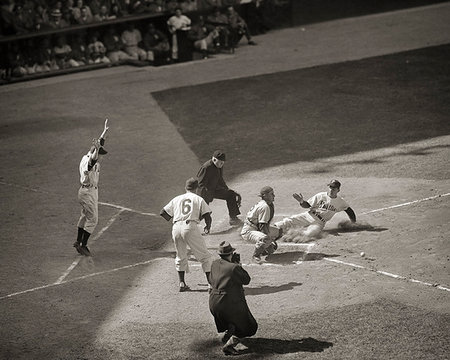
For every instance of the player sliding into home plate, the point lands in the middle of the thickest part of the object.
(321, 208)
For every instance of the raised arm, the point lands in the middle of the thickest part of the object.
(105, 130)
(301, 201)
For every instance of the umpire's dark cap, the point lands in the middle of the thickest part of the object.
(265, 190)
(191, 184)
(334, 184)
(225, 248)
(219, 155)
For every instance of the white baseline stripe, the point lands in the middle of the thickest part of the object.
(75, 263)
(127, 209)
(79, 278)
(405, 204)
(440, 287)
(393, 206)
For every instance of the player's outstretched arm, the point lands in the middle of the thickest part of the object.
(301, 201)
(351, 214)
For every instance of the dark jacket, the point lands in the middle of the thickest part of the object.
(210, 179)
(227, 299)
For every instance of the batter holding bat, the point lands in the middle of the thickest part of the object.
(322, 207)
(88, 192)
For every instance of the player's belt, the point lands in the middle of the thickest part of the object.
(187, 221)
(88, 186)
(249, 223)
(317, 216)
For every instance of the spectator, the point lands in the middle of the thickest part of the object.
(42, 19)
(8, 22)
(95, 6)
(79, 49)
(253, 13)
(220, 22)
(77, 11)
(156, 44)
(85, 16)
(179, 25)
(96, 50)
(171, 6)
(68, 13)
(114, 46)
(132, 39)
(46, 60)
(203, 36)
(187, 5)
(63, 53)
(116, 10)
(29, 53)
(28, 15)
(208, 4)
(16, 60)
(103, 14)
(238, 26)
(56, 20)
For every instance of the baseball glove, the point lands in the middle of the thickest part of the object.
(236, 258)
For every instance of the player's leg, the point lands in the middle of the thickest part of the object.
(181, 259)
(297, 220)
(230, 197)
(91, 209)
(196, 242)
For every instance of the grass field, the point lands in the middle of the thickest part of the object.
(378, 122)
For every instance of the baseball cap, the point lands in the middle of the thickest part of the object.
(225, 248)
(334, 184)
(265, 190)
(219, 154)
(191, 184)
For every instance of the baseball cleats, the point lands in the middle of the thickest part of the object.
(77, 246)
(257, 259)
(85, 251)
(184, 287)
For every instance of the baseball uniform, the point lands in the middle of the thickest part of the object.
(187, 211)
(322, 209)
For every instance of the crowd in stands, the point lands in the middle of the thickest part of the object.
(218, 28)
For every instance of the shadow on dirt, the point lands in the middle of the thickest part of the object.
(287, 258)
(278, 346)
(337, 232)
(271, 289)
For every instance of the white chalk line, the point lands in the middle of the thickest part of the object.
(100, 233)
(393, 206)
(79, 278)
(267, 264)
(385, 273)
(100, 202)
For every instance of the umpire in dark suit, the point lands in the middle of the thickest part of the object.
(212, 186)
(227, 299)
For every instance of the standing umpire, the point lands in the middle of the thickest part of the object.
(88, 192)
(212, 185)
(227, 298)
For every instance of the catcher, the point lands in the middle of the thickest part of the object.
(257, 227)
(212, 186)
(322, 207)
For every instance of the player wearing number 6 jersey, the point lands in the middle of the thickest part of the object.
(187, 211)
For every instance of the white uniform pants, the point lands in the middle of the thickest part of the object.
(299, 220)
(88, 198)
(189, 235)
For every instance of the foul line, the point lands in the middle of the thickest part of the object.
(121, 208)
(75, 263)
(79, 278)
(400, 277)
(405, 204)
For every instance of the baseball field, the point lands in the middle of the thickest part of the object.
(365, 100)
